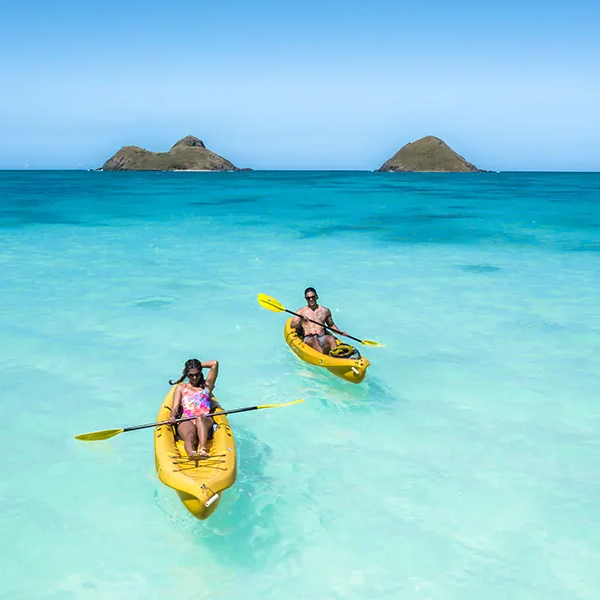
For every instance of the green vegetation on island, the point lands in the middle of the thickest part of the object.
(429, 154)
(188, 154)
(426, 155)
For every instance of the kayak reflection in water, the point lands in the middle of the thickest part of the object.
(316, 336)
(195, 399)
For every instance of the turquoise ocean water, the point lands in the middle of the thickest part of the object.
(464, 467)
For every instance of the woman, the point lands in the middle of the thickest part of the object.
(195, 399)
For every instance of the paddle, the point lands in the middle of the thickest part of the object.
(275, 306)
(96, 436)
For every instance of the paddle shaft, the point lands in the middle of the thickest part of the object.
(215, 414)
(321, 324)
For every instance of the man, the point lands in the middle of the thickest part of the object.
(316, 336)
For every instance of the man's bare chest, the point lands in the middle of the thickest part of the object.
(319, 315)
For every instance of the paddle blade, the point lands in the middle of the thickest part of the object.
(97, 436)
(281, 404)
(270, 303)
(372, 343)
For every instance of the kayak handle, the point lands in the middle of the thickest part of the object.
(211, 500)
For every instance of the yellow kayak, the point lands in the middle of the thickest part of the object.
(353, 369)
(199, 485)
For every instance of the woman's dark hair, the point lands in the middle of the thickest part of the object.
(193, 363)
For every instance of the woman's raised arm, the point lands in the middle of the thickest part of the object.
(211, 378)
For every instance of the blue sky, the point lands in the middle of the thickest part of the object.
(311, 85)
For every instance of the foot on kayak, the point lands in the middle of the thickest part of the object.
(203, 453)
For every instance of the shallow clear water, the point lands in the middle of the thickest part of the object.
(464, 467)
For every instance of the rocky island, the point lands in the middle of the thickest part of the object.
(188, 154)
(426, 155)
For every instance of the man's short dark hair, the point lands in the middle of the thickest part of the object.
(310, 289)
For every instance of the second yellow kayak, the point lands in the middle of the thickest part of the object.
(199, 485)
(353, 370)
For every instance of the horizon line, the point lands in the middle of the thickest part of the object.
(250, 170)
